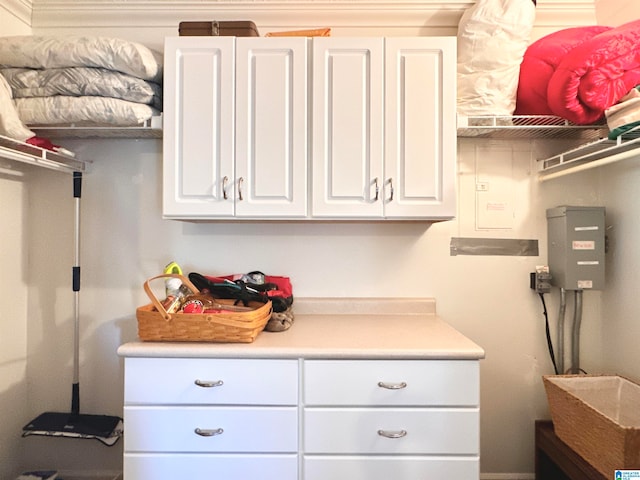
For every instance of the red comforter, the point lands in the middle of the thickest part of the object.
(578, 73)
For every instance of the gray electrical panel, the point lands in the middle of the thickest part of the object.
(576, 247)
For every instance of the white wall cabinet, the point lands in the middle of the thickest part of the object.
(384, 127)
(306, 419)
(235, 136)
(367, 123)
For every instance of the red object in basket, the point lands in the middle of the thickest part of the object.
(193, 306)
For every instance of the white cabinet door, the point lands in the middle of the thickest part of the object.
(198, 150)
(271, 127)
(384, 133)
(236, 127)
(347, 158)
(420, 127)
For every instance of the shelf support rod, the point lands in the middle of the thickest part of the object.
(543, 177)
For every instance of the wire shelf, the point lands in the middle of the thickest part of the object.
(151, 128)
(624, 146)
(594, 148)
(527, 127)
(14, 150)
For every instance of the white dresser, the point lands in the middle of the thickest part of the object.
(341, 396)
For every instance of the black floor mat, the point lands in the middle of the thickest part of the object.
(105, 428)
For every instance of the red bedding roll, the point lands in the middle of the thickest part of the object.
(540, 62)
(596, 74)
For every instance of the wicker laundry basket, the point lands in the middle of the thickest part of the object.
(156, 325)
(599, 417)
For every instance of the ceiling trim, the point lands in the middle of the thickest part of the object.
(285, 13)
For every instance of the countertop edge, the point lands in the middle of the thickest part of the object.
(205, 350)
(334, 335)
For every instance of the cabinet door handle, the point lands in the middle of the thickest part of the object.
(390, 190)
(392, 386)
(209, 383)
(375, 182)
(240, 180)
(225, 179)
(205, 432)
(392, 433)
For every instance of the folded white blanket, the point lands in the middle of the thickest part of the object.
(82, 81)
(82, 111)
(10, 123)
(27, 51)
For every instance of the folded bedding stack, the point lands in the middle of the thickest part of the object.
(80, 81)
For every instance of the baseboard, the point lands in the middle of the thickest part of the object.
(507, 476)
(92, 475)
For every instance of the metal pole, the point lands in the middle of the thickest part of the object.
(575, 347)
(561, 315)
(75, 392)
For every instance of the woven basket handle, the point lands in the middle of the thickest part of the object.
(154, 300)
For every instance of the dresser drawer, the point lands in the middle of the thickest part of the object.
(391, 382)
(150, 466)
(194, 381)
(386, 467)
(394, 431)
(222, 429)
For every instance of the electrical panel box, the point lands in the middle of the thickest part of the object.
(576, 247)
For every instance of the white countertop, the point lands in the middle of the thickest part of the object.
(339, 328)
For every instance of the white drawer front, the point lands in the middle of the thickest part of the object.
(206, 467)
(385, 468)
(230, 429)
(407, 382)
(418, 431)
(195, 381)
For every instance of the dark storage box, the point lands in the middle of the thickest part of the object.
(229, 28)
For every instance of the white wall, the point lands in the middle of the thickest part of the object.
(125, 241)
(616, 12)
(13, 282)
(15, 17)
(13, 317)
(620, 328)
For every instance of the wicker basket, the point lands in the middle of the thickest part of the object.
(598, 417)
(156, 325)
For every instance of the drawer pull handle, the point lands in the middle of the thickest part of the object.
(392, 434)
(225, 179)
(392, 386)
(209, 384)
(204, 432)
